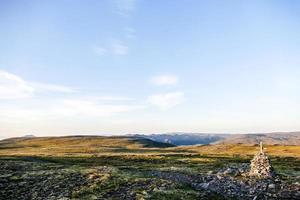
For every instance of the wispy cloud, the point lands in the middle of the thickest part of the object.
(62, 106)
(42, 87)
(15, 87)
(100, 51)
(115, 47)
(125, 7)
(119, 48)
(164, 80)
(167, 100)
(93, 108)
(112, 98)
(130, 33)
(69, 108)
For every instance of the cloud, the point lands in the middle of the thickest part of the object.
(14, 87)
(100, 51)
(118, 48)
(64, 109)
(166, 101)
(112, 98)
(115, 47)
(130, 33)
(93, 108)
(42, 87)
(125, 7)
(164, 80)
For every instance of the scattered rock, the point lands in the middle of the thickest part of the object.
(231, 187)
(271, 186)
(204, 185)
(210, 172)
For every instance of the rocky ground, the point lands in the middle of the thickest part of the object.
(32, 179)
(232, 184)
(26, 180)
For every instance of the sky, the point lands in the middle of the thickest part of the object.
(148, 66)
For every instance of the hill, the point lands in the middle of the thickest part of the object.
(283, 138)
(73, 145)
(290, 138)
(186, 138)
(243, 149)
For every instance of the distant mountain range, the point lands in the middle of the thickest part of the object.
(185, 138)
(280, 138)
(179, 139)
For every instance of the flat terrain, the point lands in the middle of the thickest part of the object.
(89, 167)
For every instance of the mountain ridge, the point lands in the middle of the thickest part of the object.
(181, 138)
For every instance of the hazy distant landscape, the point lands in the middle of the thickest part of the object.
(283, 138)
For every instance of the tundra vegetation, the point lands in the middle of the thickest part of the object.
(92, 167)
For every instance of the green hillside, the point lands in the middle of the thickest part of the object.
(75, 145)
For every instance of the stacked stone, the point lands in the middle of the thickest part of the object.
(260, 165)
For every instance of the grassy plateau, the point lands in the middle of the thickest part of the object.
(92, 167)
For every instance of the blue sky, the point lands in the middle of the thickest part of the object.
(141, 66)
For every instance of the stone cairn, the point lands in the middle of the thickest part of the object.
(260, 165)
